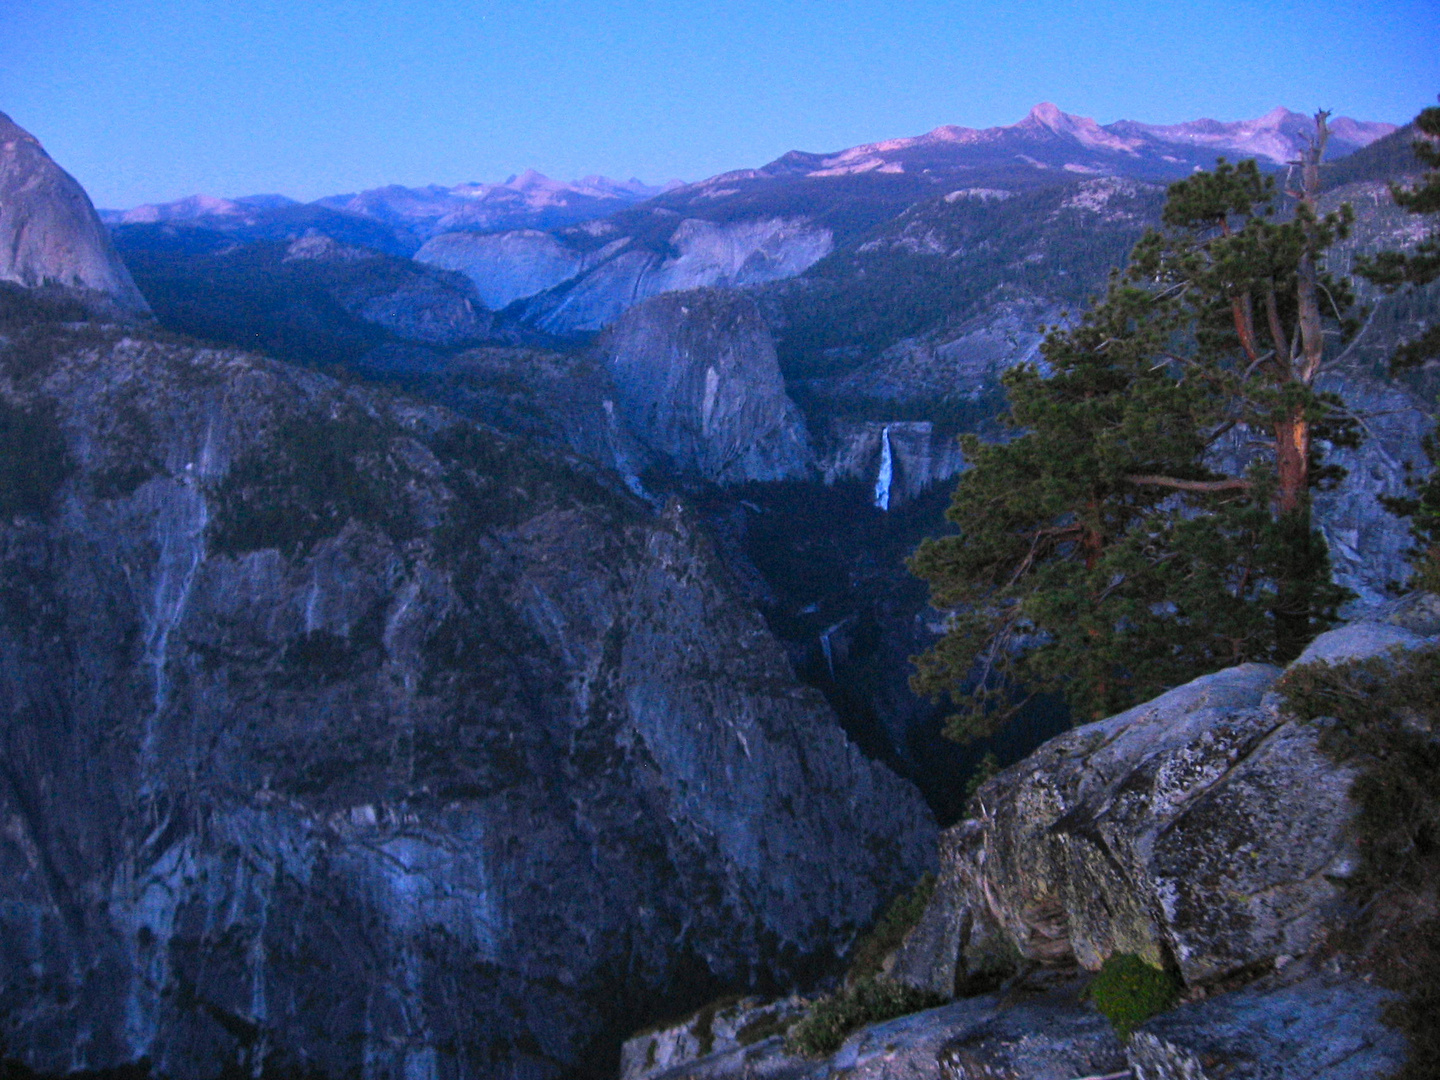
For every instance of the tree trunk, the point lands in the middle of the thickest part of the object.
(1292, 464)
(1296, 577)
(1292, 434)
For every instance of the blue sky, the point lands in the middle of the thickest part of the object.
(147, 100)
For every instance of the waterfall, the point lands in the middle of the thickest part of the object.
(825, 649)
(887, 469)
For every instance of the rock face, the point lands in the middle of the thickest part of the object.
(698, 382)
(694, 254)
(49, 232)
(339, 735)
(508, 266)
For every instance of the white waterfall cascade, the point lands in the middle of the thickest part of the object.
(887, 471)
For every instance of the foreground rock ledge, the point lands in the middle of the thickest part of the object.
(1203, 830)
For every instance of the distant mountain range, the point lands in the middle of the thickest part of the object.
(1047, 141)
(530, 200)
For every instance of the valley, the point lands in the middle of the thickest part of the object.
(448, 630)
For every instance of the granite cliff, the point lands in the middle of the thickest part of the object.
(344, 736)
(696, 379)
(50, 235)
(580, 280)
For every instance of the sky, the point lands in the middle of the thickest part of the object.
(152, 100)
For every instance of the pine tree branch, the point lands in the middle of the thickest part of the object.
(1040, 534)
(1221, 432)
(1277, 332)
(1230, 483)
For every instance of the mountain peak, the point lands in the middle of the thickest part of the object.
(1049, 114)
(1277, 116)
(1081, 129)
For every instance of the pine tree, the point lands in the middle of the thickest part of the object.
(1100, 553)
(1393, 270)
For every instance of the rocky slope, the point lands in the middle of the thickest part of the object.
(342, 736)
(49, 232)
(1206, 831)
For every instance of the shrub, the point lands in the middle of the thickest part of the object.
(890, 929)
(34, 460)
(1128, 991)
(1386, 716)
(870, 1001)
(312, 477)
(989, 766)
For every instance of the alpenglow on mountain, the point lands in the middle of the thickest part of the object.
(1048, 138)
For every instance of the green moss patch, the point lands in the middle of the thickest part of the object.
(1128, 991)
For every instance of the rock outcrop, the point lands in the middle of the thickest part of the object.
(1321, 1029)
(1204, 831)
(50, 235)
(341, 736)
(698, 382)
